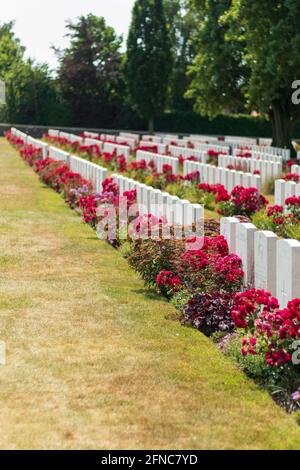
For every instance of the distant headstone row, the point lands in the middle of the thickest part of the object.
(268, 169)
(151, 201)
(228, 178)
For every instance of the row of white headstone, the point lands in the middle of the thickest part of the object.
(168, 139)
(269, 263)
(108, 137)
(129, 141)
(243, 141)
(150, 200)
(152, 139)
(268, 169)
(102, 137)
(199, 143)
(119, 150)
(204, 143)
(214, 147)
(88, 139)
(186, 153)
(154, 201)
(259, 156)
(265, 142)
(161, 204)
(88, 170)
(161, 148)
(53, 132)
(58, 154)
(130, 138)
(31, 141)
(107, 147)
(208, 173)
(183, 142)
(71, 137)
(95, 174)
(159, 160)
(194, 139)
(90, 135)
(285, 154)
(284, 190)
(228, 178)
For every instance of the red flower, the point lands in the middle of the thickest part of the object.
(229, 269)
(194, 176)
(292, 177)
(169, 280)
(274, 210)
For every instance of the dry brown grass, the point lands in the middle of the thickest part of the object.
(93, 361)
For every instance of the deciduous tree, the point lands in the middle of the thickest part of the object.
(219, 74)
(270, 30)
(90, 71)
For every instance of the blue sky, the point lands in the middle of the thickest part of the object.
(40, 23)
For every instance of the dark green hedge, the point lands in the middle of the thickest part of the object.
(180, 123)
(237, 125)
(190, 122)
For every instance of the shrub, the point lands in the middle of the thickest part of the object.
(210, 268)
(293, 206)
(31, 154)
(168, 283)
(269, 330)
(243, 201)
(209, 313)
(286, 225)
(292, 177)
(150, 257)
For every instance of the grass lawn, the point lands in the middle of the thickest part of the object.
(94, 360)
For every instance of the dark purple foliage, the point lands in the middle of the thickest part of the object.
(209, 313)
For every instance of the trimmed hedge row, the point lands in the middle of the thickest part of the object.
(236, 125)
(180, 122)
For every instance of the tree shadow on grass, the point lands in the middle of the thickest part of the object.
(150, 294)
(95, 238)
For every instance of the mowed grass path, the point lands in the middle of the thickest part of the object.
(96, 361)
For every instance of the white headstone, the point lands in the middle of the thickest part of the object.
(245, 249)
(225, 178)
(288, 271)
(230, 181)
(290, 189)
(228, 230)
(265, 244)
(211, 174)
(280, 192)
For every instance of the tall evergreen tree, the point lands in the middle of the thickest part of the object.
(149, 59)
(90, 72)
